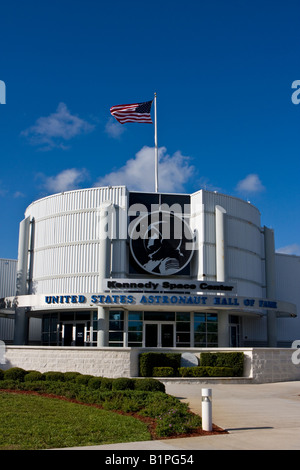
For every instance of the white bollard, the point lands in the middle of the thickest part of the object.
(206, 409)
(2, 352)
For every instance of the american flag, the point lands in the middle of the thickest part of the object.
(136, 112)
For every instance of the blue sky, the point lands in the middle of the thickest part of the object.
(223, 74)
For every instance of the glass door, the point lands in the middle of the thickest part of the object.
(159, 335)
(68, 334)
(234, 336)
(151, 335)
(167, 335)
(73, 334)
(79, 334)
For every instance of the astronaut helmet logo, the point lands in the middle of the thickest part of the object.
(161, 243)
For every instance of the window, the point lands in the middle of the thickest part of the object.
(205, 330)
(135, 329)
(95, 328)
(50, 330)
(116, 328)
(159, 316)
(183, 335)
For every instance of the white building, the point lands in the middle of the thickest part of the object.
(110, 267)
(8, 277)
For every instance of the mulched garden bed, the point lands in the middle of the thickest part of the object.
(150, 422)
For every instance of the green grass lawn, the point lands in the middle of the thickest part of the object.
(29, 422)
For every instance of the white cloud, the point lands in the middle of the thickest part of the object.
(250, 184)
(138, 173)
(66, 180)
(114, 129)
(293, 249)
(18, 194)
(57, 128)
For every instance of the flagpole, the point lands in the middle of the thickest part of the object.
(155, 142)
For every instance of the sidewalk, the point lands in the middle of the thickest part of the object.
(256, 416)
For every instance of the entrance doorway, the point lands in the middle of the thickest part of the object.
(79, 334)
(234, 331)
(68, 334)
(234, 336)
(73, 334)
(159, 335)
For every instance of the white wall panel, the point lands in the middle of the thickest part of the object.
(66, 244)
(288, 289)
(8, 277)
(243, 240)
(233, 206)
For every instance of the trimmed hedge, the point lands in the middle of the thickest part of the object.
(15, 373)
(161, 364)
(83, 379)
(147, 361)
(54, 376)
(95, 383)
(69, 380)
(201, 371)
(123, 383)
(106, 383)
(234, 360)
(34, 376)
(71, 376)
(149, 385)
(163, 372)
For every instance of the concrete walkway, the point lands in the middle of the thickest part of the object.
(256, 416)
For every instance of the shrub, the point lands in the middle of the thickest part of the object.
(196, 371)
(176, 421)
(106, 383)
(208, 371)
(163, 372)
(11, 384)
(123, 383)
(54, 376)
(95, 383)
(220, 371)
(149, 385)
(15, 373)
(147, 361)
(71, 376)
(235, 360)
(83, 379)
(1, 374)
(34, 376)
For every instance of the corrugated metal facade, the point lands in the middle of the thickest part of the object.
(288, 288)
(8, 277)
(243, 238)
(66, 239)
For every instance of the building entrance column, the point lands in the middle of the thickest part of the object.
(223, 329)
(102, 327)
